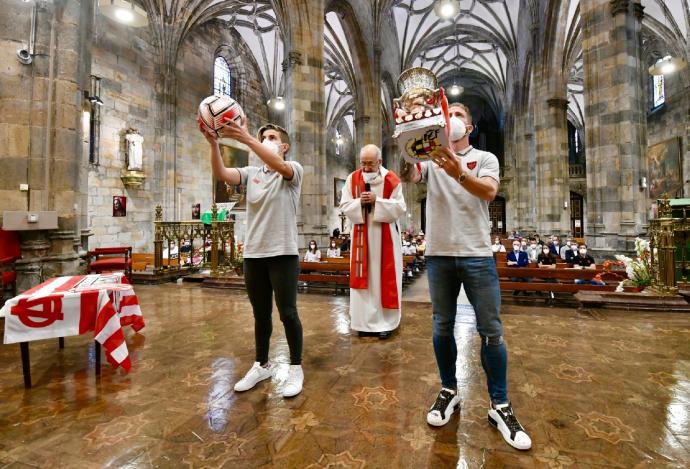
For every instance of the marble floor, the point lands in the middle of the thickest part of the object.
(593, 389)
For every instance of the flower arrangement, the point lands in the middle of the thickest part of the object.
(639, 270)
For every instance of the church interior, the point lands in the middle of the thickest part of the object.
(125, 313)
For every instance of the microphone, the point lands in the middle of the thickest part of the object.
(367, 188)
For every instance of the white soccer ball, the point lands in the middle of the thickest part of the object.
(214, 111)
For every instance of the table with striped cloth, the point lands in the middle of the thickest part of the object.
(67, 306)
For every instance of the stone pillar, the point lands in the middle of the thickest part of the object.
(552, 185)
(47, 129)
(615, 124)
(306, 111)
(363, 131)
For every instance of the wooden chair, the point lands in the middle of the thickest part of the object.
(9, 252)
(110, 260)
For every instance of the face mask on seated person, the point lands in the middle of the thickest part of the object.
(333, 245)
(545, 251)
(583, 252)
(516, 247)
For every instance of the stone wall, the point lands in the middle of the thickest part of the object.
(126, 60)
(40, 128)
(671, 121)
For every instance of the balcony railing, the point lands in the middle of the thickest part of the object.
(577, 171)
(186, 245)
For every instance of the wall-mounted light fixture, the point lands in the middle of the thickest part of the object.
(565, 205)
(643, 183)
(94, 131)
(278, 103)
(125, 12)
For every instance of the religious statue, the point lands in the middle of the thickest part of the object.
(134, 150)
(421, 114)
(134, 175)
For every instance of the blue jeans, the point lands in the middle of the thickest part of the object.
(478, 275)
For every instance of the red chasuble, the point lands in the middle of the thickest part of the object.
(359, 256)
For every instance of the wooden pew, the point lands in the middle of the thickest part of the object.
(335, 274)
(565, 279)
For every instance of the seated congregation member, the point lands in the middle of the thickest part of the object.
(585, 261)
(373, 200)
(313, 254)
(497, 246)
(546, 258)
(539, 241)
(571, 253)
(421, 246)
(555, 246)
(271, 256)
(333, 251)
(517, 258)
(533, 250)
(345, 244)
(565, 248)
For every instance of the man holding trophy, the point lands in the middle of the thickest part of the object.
(461, 181)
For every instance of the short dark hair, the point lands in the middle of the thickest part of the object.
(284, 137)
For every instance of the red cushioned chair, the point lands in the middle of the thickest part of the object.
(110, 260)
(9, 252)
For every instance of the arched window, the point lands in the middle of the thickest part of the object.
(658, 91)
(222, 79)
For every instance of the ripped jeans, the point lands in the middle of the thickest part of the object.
(478, 275)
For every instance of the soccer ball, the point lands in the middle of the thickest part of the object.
(214, 111)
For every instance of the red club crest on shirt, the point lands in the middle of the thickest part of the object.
(471, 165)
(46, 309)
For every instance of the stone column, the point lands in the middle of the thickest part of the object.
(306, 111)
(47, 130)
(552, 185)
(615, 124)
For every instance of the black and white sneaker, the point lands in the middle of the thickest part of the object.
(446, 403)
(501, 416)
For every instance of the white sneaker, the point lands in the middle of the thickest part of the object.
(255, 374)
(293, 383)
(446, 403)
(410, 274)
(501, 416)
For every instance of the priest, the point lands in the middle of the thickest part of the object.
(372, 199)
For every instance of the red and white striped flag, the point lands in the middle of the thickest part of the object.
(68, 306)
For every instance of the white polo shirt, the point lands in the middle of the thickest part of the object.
(457, 222)
(272, 204)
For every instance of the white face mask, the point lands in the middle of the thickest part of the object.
(545, 251)
(312, 246)
(272, 145)
(369, 177)
(583, 251)
(573, 247)
(333, 245)
(457, 129)
(516, 248)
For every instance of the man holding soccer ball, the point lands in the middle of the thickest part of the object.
(271, 256)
